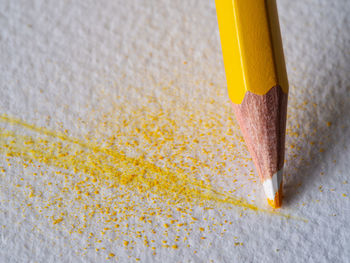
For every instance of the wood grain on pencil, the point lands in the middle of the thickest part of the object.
(262, 119)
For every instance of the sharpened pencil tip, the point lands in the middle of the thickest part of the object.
(277, 202)
(273, 189)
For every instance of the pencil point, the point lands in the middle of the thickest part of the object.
(273, 189)
(277, 202)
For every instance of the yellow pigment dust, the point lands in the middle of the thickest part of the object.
(96, 185)
(140, 177)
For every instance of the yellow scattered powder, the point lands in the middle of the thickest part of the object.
(161, 181)
(58, 220)
(139, 170)
(345, 195)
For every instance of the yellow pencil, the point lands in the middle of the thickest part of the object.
(257, 83)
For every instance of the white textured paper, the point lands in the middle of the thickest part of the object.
(69, 65)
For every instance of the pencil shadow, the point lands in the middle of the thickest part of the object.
(316, 129)
(314, 153)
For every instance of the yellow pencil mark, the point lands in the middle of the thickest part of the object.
(110, 166)
(114, 169)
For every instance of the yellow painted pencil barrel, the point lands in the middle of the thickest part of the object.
(257, 83)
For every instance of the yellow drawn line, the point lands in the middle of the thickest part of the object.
(113, 167)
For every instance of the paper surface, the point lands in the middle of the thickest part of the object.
(96, 96)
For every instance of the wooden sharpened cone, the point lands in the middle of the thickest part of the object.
(262, 119)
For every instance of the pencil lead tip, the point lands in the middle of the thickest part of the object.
(273, 189)
(277, 201)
